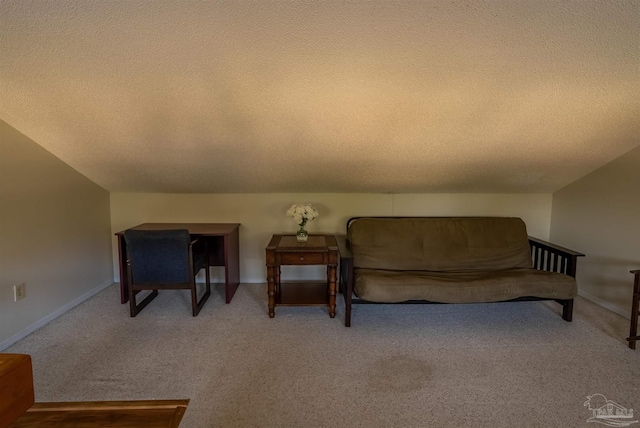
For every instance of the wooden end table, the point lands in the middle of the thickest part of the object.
(286, 250)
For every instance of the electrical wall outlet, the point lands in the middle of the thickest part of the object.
(19, 291)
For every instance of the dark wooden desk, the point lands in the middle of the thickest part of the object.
(318, 250)
(224, 250)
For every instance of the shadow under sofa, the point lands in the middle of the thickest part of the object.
(452, 260)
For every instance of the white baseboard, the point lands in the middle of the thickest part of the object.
(33, 327)
(605, 304)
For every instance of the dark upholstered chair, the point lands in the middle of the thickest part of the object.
(165, 260)
(635, 308)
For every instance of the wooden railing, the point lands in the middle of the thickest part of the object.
(553, 258)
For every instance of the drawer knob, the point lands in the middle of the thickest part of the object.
(301, 257)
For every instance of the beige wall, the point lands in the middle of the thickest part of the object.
(54, 235)
(599, 215)
(261, 215)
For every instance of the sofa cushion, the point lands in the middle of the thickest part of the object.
(440, 244)
(461, 287)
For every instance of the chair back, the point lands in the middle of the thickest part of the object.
(158, 256)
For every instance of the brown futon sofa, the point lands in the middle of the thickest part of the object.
(452, 260)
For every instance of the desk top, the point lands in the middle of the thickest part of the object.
(210, 229)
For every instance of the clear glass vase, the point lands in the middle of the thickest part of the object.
(302, 235)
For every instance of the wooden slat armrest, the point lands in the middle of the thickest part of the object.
(346, 275)
(555, 248)
(343, 247)
(553, 258)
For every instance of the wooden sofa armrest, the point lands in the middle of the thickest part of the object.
(346, 276)
(553, 258)
(343, 247)
(346, 266)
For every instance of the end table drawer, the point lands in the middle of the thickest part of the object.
(302, 259)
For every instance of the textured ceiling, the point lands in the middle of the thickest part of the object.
(358, 96)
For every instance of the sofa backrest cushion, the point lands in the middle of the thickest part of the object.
(445, 244)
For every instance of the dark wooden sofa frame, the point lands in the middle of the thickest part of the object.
(545, 256)
(635, 308)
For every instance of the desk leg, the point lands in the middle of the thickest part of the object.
(124, 273)
(271, 290)
(331, 273)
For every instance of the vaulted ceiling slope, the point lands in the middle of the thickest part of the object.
(329, 96)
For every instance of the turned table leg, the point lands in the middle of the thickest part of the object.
(271, 290)
(331, 273)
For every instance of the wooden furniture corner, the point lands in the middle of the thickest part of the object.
(18, 409)
(114, 414)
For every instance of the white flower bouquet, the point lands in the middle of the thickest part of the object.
(302, 213)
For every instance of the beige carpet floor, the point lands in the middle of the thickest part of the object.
(485, 365)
